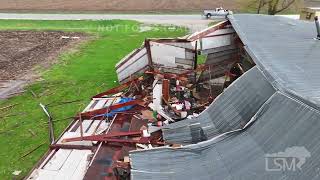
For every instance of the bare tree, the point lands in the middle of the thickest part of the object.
(277, 6)
(273, 6)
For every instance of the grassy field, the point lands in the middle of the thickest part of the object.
(80, 74)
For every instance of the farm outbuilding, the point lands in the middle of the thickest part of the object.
(256, 97)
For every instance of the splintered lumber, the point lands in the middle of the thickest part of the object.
(103, 136)
(50, 123)
(70, 146)
(165, 89)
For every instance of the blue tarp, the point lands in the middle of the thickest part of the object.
(125, 108)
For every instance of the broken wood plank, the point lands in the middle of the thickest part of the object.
(50, 123)
(71, 146)
(165, 89)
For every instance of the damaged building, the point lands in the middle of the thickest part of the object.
(255, 97)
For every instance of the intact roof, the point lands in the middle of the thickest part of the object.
(287, 55)
(285, 50)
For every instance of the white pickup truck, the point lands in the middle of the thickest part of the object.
(218, 12)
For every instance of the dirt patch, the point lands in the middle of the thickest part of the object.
(21, 51)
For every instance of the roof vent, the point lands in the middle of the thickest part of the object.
(316, 20)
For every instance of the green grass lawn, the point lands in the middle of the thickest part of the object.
(79, 75)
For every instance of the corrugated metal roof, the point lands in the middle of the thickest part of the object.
(286, 125)
(230, 111)
(283, 124)
(285, 51)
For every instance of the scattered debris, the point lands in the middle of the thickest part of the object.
(31, 151)
(12, 115)
(62, 103)
(160, 84)
(50, 123)
(32, 132)
(16, 173)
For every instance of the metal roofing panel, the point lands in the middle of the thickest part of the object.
(285, 50)
(282, 126)
(232, 110)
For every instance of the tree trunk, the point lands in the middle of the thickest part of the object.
(260, 6)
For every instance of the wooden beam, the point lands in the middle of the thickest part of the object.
(70, 146)
(165, 89)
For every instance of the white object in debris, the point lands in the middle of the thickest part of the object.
(16, 173)
(166, 122)
(177, 82)
(163, 114)
(184, 114)
(187, 104)
(75, 37)
(142, 146)
(194, 115)
(145, 133)
(157, 97)
(118, 94)
(179, 106)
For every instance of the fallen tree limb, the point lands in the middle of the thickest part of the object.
(31, 151)
(63, 103)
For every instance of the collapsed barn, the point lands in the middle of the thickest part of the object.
(172, 118)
